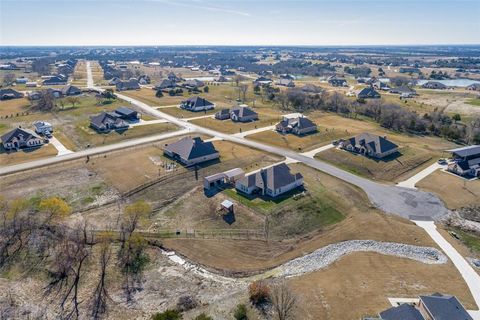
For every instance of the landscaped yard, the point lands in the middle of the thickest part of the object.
(454, 191)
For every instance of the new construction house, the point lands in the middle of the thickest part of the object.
(466, 161)
(297, 125)
(190, 151)
(369, 144)
(197, 104)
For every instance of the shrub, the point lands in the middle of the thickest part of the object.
(206, 89)
(159, 94)
(258, 292)
(203, 316)
(240, 312)
(167, 315)
(186, 303)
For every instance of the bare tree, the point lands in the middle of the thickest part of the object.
(8, 78)
(100, 296)
(283, 300)
(243, 89)
(73, 101)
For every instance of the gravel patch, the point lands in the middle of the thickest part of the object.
(325, 256)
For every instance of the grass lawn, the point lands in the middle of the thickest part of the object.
(228, 126)
(454, 191)
(15, 157)
(181, 113)
(474, 102)
(89, 136)
(388, 169)
(298, 143)
(148, 96)
(469, 239)
(14, 106)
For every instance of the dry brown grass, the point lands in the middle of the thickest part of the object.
(148, 96)
(360, 283)
(228, 126)
(14, 106)
(11, 158)
(454, 191)
(181, 113)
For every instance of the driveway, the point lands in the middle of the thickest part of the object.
(62, 150)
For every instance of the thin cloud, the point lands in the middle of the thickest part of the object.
(204, 6)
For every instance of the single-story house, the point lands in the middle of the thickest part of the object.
(404, 311)
(466, 161)
(285, 82)
(57, 93)
(42, 127)
(193, 83)
(222, 114)
(7, 94)
(474, 86)
(368, 93)
(126, 114)
(172, 76)
(197, 103)
(190, 151)
(20, 138)
(21, 80)
(369, 144)
(403, 90)
(55, 80)
(243, 113)
(166, 84)
(144, 79)
(439, 307)
(434, 85)
(262, 81)
(70, 90)
(114, 81)
(108, 121)
(272, 181)
(296, 125)
(221, 79)
(131, 84)
(337, 82)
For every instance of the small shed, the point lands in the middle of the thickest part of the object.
(233, 175)
(227, 206)
(214, 180)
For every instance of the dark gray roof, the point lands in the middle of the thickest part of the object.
(127, 112)
(373, 142)
(27, 134)
(466, 151)
(69, 88)
(196, 101)
(242, 111)
(368, 93)
(445, 307)
(299, 122)
(402, 312)
(10, 92)
(188, 148)
(278, 176)
(101, 119)
(223, 112)
(403, 89)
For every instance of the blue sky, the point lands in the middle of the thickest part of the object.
(238, 22)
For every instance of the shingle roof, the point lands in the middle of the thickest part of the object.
(445, 307)
(299, 122)
(279, 176)
(368, 92)
(402, 312)
(241, 111)
(124, 111)
(466, 151)
(27, 134)
(188, 148)
(196, 101)
(102, 118)
(373, 142)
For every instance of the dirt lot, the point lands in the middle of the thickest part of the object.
(454, 191)
(454, 101)
(324, 294)
(182, 113)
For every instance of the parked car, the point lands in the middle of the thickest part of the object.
(442, 161)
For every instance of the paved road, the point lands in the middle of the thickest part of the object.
(412, 181)
(471, 277)
(88, 152)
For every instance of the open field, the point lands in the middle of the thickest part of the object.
(228, 126)
(80, 74)
(147, 96)
(453, 101)
(182, 113)
(14, 106)
(454, 191)
(325, 294)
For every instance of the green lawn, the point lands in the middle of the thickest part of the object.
(470, 239)
(474, 102)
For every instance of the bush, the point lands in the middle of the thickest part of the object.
(240, 312)
(186, 303)
(168, 315)
(203, 316)
(206, 89)
(258, 292)
(159, 94)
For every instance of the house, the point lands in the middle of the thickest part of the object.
(287, 76)
(262, 81)
(144, 79)
(403, 90)
(368, 93)
(221, 79)
(190, 151)
(172, 77)
(21, 80)
(379, 85)
(193, 83)
(126, 114)
(297, 125)
(243, 113)
(404, 311)
(131, 84)
(272, 181)
(337, 82)
(20, 138)
(57, 93)
(108, 121)
(9, 66)
(466, 161)
(434, 85)
(369, 144)
(166, 84)
(31, 84)
(70, 90)
(474, 86)
(197, 103)
(223, 114)
(43, 127)
(114, 81)
(409, 70)
(285, 82)
(7, 94)
(59, 79)
(439, 307)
